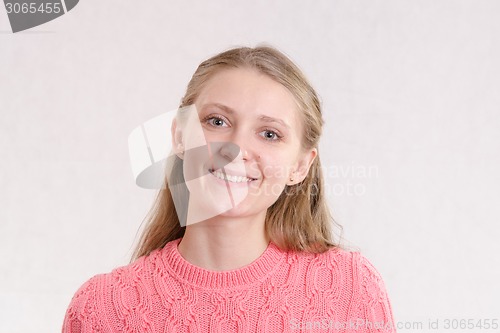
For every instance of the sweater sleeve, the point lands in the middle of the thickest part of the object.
(83, 314)
(374, 309)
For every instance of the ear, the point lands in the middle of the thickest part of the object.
(177, 144)
(304, 163)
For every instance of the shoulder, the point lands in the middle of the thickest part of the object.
(357, 268)
(361, 283)
(370, 304)
(372, 286)
(335, 268)
(352, 262)
(334, 258)
(94, 303)
(83, 314)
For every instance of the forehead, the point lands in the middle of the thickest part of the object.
(251, 92)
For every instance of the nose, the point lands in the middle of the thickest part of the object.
(222, 153)
(229, 151)
(238, 147)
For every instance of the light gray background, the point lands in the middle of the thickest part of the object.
(409, 88)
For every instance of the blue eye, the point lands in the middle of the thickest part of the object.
(216, 121)
(271, 135)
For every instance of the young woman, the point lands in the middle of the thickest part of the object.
(240, 239)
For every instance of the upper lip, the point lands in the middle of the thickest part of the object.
(232, 173)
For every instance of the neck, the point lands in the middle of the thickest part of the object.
(224, 243)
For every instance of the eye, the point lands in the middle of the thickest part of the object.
(216, 121)
(271, 135)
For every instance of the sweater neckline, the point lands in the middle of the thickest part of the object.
(257, 270)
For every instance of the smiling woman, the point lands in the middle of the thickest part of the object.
(240, 239)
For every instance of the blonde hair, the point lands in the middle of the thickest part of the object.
(300, 219)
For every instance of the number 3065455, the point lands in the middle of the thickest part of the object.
(32, 8)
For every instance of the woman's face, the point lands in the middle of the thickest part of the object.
(253, 135)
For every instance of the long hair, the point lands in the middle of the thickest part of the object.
(300, 219)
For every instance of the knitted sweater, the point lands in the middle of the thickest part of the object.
(335, 291)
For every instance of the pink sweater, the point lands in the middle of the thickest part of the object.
(336, 291)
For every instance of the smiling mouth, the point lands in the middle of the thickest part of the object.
(230, 178)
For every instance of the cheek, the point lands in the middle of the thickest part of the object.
(276, 168)
(195, 162)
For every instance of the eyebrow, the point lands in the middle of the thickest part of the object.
(263, 117)
(273, 120)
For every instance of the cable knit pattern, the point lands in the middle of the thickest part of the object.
(335, 291)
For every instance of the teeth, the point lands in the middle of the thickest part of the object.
(233, 179)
